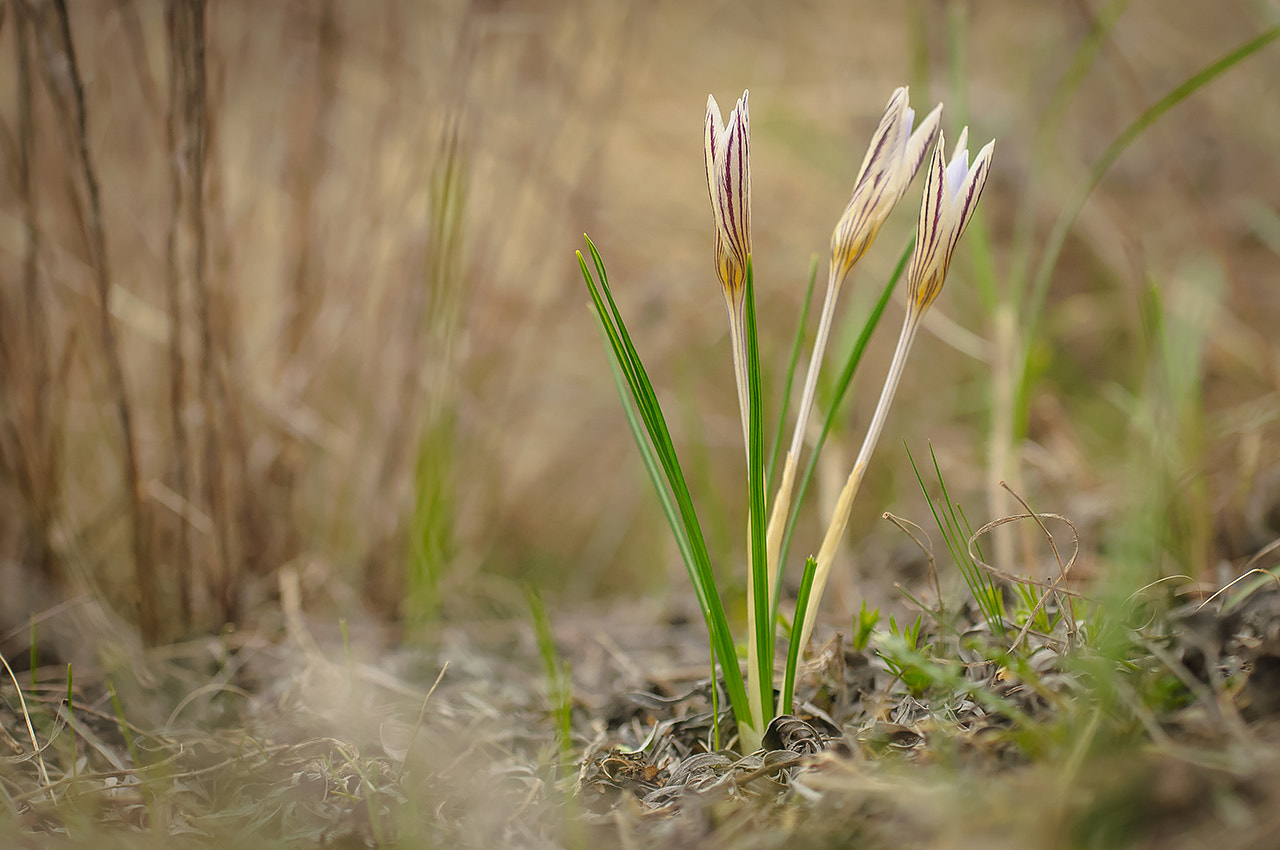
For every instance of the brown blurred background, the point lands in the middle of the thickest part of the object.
(350, 337)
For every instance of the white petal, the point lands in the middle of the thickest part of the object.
(929, 227)
(884, 140)
(959, 166)
(971, 190)
(920, 140)
(732, 194)
(710, 138)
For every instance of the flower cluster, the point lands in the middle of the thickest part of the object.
(896, 152)
(951, 193)
(952, 188)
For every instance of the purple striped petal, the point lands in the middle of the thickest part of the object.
(892, 159)
(728, 154)
(951, 196)
(710, 138)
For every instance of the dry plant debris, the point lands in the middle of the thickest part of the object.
(453, 744)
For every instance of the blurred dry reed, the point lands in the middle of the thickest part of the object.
(261, 258)
(292, 284)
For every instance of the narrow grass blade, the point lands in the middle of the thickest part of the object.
(125, 731)
(761, 619)
(650, 413)
(715, 707)
(71, 713)
(559, 692)
(785, 399)
(983, 588)
(793, 645)
(648, 457)
(1066, 218)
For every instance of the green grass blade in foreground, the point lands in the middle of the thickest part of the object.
(126, 730)
(559, 692)
(785, 399)
(647, 456)
(842, 386)
(793, 644)
(755, 486)
(650, 412)
(1066, 218)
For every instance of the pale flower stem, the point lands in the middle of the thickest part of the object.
(815, 362)
(782, 500)
(738, 342)
(1001, 441)
(753, 654)
(778, 521)
(840, 518)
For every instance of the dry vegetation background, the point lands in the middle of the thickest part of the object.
(348, 335)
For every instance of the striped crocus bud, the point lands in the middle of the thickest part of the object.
(892, 159)
(951, 192)
(728, 159)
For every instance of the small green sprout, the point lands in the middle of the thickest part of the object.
(864, 625)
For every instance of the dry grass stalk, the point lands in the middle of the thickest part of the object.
(215, 460)
(175, 30)
(211, 386)
(308, 168)
(29, 442)
(65, 82)
(201, 463)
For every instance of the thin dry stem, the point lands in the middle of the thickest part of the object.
(834, 284)
(925, 544)
(26, 718)
(1064, 569)
(778, 520)
(1057, 585)
(1236, 581)
(144, 566)
(178, 43)
(1057, 556)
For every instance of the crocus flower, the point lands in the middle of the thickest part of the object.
(951, 193)
(891, 163)
(728, 160)
(892, 160)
